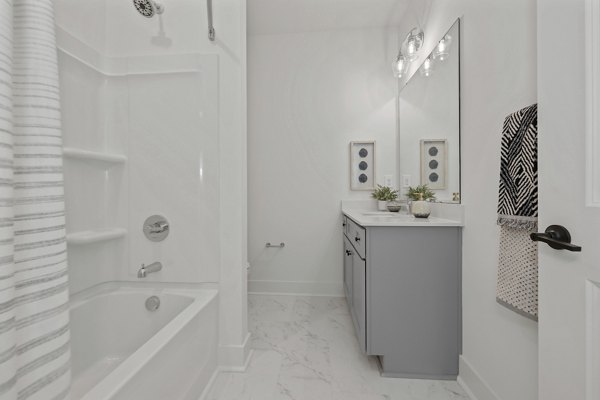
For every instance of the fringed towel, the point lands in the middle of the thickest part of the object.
(517, 286)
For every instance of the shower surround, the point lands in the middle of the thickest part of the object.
(154, 123)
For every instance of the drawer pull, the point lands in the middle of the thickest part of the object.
(348, 253)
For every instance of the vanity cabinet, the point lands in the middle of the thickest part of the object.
(402, 285)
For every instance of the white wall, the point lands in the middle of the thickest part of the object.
(230, 23)
(85, 19)
(310, 94)
(498, 77)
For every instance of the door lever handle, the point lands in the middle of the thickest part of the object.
(557, 237)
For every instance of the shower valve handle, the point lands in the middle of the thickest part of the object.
(158, 227)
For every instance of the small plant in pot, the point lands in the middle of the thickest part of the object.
(420, 197)
(383, 194)
(415, 193)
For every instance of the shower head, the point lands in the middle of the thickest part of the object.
(148, 8)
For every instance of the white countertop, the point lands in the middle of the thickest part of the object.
(367, 217)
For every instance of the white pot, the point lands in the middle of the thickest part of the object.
(381, 205)
(421, 209)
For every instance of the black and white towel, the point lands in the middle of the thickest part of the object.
(517, 285)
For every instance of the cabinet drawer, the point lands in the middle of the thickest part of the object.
(345, 225)
(358, 237)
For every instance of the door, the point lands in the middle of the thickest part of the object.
(569, 178)
(359, 300)
(348, 256)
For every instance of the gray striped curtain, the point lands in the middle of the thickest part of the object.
(34, 308)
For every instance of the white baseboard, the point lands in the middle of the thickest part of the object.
(235, 357)
(472, 383)
(228, 368)
(300, 288)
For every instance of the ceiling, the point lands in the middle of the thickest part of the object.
(294, 16)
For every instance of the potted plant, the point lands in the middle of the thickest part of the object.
(420, 197)
(383, 194)
(415, 193)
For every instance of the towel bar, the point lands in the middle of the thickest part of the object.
(275, 245)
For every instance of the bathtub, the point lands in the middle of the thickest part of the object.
(122, 351)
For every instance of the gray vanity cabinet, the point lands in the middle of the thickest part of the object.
(405, 296)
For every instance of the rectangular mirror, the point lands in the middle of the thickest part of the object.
(429, 122)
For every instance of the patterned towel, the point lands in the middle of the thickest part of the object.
(517, 284)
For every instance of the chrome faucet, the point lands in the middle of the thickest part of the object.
(145, 270)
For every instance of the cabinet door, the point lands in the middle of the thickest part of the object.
(348, 255)
(359, 299)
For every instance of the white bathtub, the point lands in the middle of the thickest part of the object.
(122, 351)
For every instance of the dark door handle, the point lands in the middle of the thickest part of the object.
(357, 239)
(557, 237)
(348, 253)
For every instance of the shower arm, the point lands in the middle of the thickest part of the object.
(211, 28)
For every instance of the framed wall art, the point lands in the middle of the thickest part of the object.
(362, 165)
(434, 163)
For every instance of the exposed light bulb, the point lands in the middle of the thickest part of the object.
(411, 48)
(400, 66)
(414, 42)
(442, 50)
(427, 67)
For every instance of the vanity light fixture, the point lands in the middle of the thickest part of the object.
(400, 65)
(413, 43)
(427, 67)
(442, 50)
(409, 51)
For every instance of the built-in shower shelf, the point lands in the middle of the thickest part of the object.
(104, 159)
(101, 235)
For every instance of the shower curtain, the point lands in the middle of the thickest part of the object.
(34, 309)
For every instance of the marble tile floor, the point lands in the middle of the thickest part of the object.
(305, 349)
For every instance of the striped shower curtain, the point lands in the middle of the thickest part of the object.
(34, 309)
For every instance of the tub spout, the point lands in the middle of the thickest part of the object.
(145, 270)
